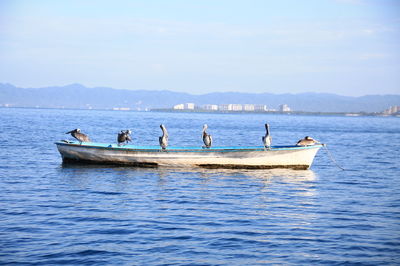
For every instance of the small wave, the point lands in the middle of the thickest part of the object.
(106, 193)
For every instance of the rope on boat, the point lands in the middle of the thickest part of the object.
(331, 157)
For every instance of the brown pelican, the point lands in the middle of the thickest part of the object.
(267, 139)
(76, 133)
(164, 138)
(124, 136)
(307, 141)
(207, 139)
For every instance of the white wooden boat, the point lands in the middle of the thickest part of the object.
(295, 157)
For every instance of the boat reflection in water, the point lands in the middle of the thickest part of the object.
(275, 196)
(266, 176)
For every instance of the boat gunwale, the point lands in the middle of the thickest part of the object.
(188, 149)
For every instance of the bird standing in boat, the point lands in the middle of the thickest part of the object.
(267, 139)
(164, 138)
(124, 137)
(307, 141)
(76, 133)
(207, 139)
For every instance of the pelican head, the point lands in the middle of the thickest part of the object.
(77, 130)
(164, 130)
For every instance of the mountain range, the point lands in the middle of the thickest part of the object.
(81, 97)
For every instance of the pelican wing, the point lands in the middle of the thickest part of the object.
(86, 138)
(267, 140)
(121, 137)
(207, 139)
(81, 137)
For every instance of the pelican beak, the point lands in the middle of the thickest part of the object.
(69, 132)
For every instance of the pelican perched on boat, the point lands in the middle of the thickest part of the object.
(164, 138)
(124, 136)
(76, 133)
(307, 141)
(207, 139)
(267, 139)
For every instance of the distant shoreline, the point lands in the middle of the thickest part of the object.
(169, 110)
(76, 96)
(349, 114)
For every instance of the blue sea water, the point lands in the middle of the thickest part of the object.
(54, 214)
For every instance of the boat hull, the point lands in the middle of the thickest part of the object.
(293, 157)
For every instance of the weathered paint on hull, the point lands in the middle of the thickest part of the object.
(249, 158)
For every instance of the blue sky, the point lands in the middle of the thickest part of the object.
(348, 47)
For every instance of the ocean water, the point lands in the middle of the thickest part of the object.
(53, 214)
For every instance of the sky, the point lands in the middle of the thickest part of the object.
(346, 47)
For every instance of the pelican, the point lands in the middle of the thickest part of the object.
(124, 136)
(207, 139)
(164, 138)
(267, 139)
(76, 133)
(307, 141)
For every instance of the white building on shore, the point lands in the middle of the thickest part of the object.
(210, 107)
(237, 107)
(184, 106)
(392, 110)
(260, 108)
(284, 108)
(179, 106)
(248, 107)
(225, 107)
(231, 107)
